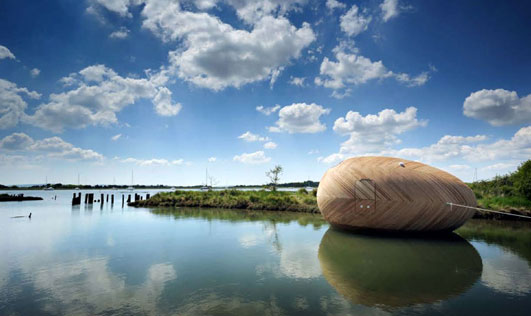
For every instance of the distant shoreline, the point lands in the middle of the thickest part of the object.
(59, 186)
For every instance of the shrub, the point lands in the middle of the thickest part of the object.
(522, 179)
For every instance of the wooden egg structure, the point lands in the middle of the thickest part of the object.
(394, 194)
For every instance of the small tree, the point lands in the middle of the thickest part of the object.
(274, 176)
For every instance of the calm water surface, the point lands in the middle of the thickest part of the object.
(113, 261)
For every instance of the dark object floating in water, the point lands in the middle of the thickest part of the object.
(397, 271)
(18, 198)
(384, 193)
(22, 216)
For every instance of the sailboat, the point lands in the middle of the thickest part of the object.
(46, 187)
(206, 187)
(131, 188)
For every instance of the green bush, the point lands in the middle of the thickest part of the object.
(522, 179)
(302, 191)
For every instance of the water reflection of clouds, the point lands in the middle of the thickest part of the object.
(250, 240)
(296, 254)
(46, 255)
(299, 260)
(87, 287)
(214, 302)
(505, 272)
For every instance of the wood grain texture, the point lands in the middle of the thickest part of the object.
(378, 193)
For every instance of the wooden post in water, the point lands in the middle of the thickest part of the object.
(129, 198)
(86, 198)
(76, 200)
(147, 196)
(102, 198)
(122, 200)
(112, 199)
(107, 198)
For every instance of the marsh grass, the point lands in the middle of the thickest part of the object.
(504, 202)
(235, 199)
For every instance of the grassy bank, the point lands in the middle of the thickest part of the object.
(300, 201)
(510, 192)
(505, 203)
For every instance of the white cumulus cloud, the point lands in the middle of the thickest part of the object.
(472, 148)
(258, 157)
(390, 9)
(334, 4)
(372, 133)
(270, 145)
(351, 68)
(35, 72)
(52, 147)
(297, 81)
(122, 33)
(215, 55)
(94, 97)
(16, 141)
(300, 118)
(498, 107)
(354, 22)
(12, 104)
(250, 137)
(6, 53)
(267, 110)
(116, 137)
(154, 162)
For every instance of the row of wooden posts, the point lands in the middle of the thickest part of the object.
(89, 198)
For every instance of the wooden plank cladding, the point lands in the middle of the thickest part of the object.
(393, 194)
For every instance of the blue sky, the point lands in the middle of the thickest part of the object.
(168, 88)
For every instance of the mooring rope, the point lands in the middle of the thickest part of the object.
(486, 210)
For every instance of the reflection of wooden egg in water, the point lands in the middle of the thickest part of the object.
(394, 272)
(393, 194)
